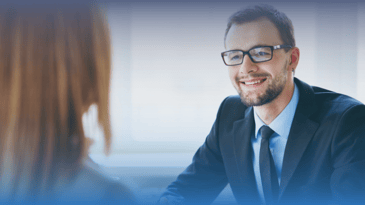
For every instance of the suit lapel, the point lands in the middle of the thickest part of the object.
(243, 154)
(301, 132)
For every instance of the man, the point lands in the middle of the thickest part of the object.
(281, 140)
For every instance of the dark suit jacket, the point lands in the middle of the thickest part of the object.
(324, 158)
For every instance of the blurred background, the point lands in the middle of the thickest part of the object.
(168, 79)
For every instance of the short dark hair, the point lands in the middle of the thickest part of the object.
(279, 19)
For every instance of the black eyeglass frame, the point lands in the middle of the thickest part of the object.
(249, 55)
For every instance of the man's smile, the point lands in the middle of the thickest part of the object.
(253, 82)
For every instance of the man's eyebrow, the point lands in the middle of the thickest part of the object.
(255, 46)
(258, 45)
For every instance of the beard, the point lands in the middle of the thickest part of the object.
(273, 90)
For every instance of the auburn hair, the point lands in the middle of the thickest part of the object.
(55, 62)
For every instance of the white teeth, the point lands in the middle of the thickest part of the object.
(253, 82)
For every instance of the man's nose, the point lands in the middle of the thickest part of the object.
(247, 65)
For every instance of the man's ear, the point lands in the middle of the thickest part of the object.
(294, 58)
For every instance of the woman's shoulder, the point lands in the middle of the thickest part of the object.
(91, 185)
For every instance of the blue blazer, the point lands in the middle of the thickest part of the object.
(324, 159)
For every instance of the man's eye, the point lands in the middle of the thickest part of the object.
(236, 57)
(262, 54)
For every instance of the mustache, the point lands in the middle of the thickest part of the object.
(253, 75)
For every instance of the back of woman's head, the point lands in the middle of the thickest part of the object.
(54, 63)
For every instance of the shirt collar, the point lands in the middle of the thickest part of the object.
(282, 123)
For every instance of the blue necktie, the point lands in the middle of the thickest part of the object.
(269, 177)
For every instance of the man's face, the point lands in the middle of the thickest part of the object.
(258, 83)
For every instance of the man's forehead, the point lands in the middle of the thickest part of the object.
(247, 35)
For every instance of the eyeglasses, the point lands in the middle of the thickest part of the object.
(257, 54)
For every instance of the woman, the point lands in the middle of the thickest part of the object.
(54, 64)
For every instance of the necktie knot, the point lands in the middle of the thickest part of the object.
(266, 132)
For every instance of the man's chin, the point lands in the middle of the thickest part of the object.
(256, 101)
(249, 102)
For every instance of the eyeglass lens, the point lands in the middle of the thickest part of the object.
(261, 54)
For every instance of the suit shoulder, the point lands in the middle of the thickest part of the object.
(232, 104)
(231, 109)
(233, 100)
(338, 100)
(333, 106)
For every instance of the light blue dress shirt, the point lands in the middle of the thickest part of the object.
(281, 126)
